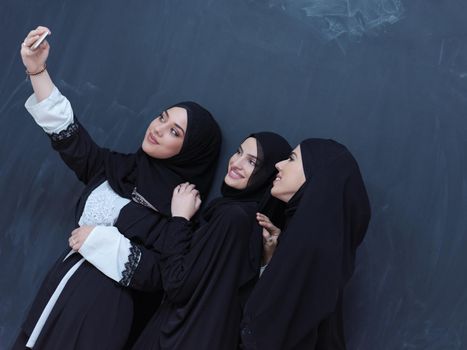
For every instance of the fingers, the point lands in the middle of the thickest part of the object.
(186, 188)
(269, 240)
(30, 40)
(78, 236)
(35, 34)
(197, 202)
(42, 29)
(74, 242)
(262, 217)
(268, 226)
(39, 31)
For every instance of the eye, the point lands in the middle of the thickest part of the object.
(291, 157)
(239, 151)
(174, 132)
(162, 118)
(252, 162)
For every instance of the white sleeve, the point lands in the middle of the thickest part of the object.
(53, 114)
(111, 253)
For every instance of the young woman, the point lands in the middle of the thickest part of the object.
(296, 303)
(207, 273)
(83, 302)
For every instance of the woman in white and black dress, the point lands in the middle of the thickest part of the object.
(84, 302)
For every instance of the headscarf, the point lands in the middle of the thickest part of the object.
(154, 179)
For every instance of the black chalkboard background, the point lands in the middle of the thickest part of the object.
(386, 78)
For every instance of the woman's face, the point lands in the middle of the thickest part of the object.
(290, 176)
(242, 164)
(164, 136)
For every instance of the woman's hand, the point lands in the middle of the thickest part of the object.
(78, 236)
(185, 201)
(270, 235)
(34, 60)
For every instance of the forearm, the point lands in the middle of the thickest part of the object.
(118, 258)
(42, 85)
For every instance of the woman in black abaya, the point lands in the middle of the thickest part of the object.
(83, 302)
(296, 304)
(208, 273)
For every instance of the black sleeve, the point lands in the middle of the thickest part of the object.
(79, 152)
(183, 263)
(142, 269)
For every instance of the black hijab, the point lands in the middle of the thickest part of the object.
(327, 220)
(154, 179)
(204, 272)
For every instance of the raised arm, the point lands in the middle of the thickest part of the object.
(53, 112)
(35, 63)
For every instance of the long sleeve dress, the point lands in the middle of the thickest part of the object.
(83, 302)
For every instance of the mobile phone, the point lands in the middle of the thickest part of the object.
(39, 41)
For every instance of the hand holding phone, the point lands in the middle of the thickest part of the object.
(40, 40)
(35, 49)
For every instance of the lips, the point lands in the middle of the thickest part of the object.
(234, 174)
(278, 178)
(152, 139)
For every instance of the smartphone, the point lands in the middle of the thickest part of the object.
(39, 41)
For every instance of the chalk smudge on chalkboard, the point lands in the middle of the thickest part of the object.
(334, 18)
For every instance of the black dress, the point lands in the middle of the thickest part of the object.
(208, 273)
(206, 277)
(297, 302)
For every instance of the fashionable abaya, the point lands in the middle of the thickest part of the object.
(77, 306)
(296, 303)
(207, 273)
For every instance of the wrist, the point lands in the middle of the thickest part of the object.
(182, 216)
(31, 71)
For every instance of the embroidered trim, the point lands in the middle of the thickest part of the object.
(130, 265)
(138, 198)
(71, 130)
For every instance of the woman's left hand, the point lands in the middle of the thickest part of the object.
(78, 236)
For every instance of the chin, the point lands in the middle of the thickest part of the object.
(234, 184)
(277, 195)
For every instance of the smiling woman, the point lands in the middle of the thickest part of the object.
(208, 272)
(83, 302)
(327, 214)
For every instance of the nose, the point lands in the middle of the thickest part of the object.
(237, 162)
(279, 165)
(158, 130)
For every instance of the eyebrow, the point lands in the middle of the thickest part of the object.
(176, 125)
(248, 154)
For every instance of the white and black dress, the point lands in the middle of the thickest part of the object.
(84, 301)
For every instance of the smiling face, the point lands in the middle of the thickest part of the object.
(290, 176)
(242, 164)
(164, 136)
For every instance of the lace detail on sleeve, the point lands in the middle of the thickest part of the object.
(71, 130)
(131, 265)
